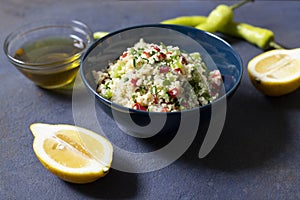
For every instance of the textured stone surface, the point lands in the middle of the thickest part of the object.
(257, 156)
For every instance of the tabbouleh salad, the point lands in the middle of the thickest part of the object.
(158, 78)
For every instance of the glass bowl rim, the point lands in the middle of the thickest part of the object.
(46, 24)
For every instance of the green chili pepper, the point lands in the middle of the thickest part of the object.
(186, 20)
(99, 34)
(219, 17)
(261, 37)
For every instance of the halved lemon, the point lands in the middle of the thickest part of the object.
(276, 72)
(74, 154)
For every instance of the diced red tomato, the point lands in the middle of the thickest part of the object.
(162, 56)
(164, 109)
(174, 92)
(164, 69)
(216, 77)
(155, 99)
(138, 106)
(183, 60)
(133, 81)
(156, 48)
(147, 54)
(124, 54)
(216, 74)
(178, 70)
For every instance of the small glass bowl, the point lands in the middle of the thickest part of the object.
(48, 72)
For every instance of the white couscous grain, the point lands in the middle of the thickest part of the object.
(158, 78)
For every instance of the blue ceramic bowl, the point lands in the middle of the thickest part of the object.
(215, 52)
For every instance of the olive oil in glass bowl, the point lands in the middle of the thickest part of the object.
(49, 52)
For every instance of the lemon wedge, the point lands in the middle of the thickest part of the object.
(276, 72)
(72, 153)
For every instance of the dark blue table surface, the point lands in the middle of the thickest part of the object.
(257, 156)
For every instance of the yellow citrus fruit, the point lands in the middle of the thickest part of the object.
(276, 72)
(72, 153)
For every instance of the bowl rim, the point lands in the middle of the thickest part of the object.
(33, 26)
(114, 105)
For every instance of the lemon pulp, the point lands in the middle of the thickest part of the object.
(66, 150)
